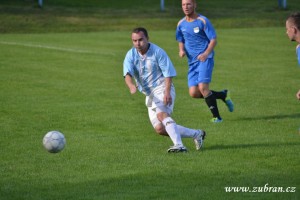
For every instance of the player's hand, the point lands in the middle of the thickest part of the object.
(168, 99)
(181, 54)
(298, 95)
(202, 57)
(132, 89)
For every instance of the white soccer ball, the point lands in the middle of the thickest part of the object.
(54, 141)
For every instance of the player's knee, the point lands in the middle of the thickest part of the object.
(161, 116)
(160, 129)
(195, 94)
(204, 89)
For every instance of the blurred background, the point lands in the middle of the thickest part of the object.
(25, 16)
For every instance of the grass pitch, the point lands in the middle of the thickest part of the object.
(72, 82)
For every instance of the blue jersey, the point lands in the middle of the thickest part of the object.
(196, 36)
(149, 70)
(298, 53)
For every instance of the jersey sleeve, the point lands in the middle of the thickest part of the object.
(179, 36)
(209, 30)
(165, 64)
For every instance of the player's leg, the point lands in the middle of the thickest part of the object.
(194, 91)
(197, 135)
(170, 126)
(187, 132)
(166, 127)
(204, 78)
(205, 74)
(224, 95)
(220, 94)
(157, 125)
(159, 114)
(228, 101)
(160, 128)
(199, 77)
(211, 102)
(163, 113)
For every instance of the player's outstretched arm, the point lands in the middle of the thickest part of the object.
(130, 84)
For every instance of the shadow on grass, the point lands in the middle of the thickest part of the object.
(247, 146)
(270, 117)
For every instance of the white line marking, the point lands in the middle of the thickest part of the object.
(54, 48)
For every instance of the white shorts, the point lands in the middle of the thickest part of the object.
(155, 104)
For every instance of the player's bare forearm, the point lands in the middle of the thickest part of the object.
(181, 49)
(209, 49)
(130, 84)
(167, 95)
(211, 46)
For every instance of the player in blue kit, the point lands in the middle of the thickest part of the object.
(293, 31)
(197, 39)
(148, 68)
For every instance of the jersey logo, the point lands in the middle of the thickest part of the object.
(196, 30)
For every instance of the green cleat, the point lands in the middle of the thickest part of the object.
(216, 120)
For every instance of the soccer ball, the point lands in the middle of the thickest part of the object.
(54, 141)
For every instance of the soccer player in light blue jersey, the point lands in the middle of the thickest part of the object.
(293, 31)
(197, 39)
(149, 69)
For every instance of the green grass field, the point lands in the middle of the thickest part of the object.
(72, 82)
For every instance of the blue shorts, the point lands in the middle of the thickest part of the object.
(200, 72)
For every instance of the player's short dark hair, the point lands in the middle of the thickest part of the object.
(140, 29)
(295, 19)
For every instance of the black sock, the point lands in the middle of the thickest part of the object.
(220, 95)
(212, 105)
